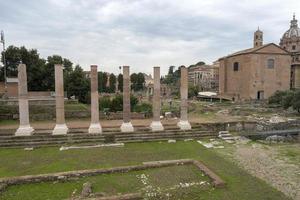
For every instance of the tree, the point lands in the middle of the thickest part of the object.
(171, 70)
(102, 80)
(112, 83)
(34, 64)
(201, 63)
(137, 81)
(193, 91)
(77, 84)
(120, 82)
(140, 81)
(117, 103)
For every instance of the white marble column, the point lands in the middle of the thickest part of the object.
(184, 123)
(24, 128)
(126, 125)
(60, 127)
(156, 124)
(95, 126)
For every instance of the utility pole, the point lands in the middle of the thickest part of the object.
(4, 63)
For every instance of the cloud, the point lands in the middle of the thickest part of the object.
(142, 33)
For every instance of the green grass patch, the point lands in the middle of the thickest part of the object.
(76, 107)
(166, 178)
(239, 184)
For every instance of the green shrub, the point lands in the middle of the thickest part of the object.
(105, 103)
(117, 103)
(276, 98)
(143, 108)
(287, 99)
(133, 102)
(193, 91)
(296, 101)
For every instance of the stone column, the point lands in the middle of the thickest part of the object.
(156, 124)
(60, 127)
(95, 126)
(126, 125)
(184, 123)
(24, 128)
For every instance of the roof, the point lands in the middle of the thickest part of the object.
(12, 80)
(253, 50)
(208, 94)
(294, 30)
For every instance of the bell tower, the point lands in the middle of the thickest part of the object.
(258, 38)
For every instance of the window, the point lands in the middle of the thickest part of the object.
(271, 63)
(236, 66)
(294, 47)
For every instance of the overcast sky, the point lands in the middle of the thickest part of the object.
(142, 33)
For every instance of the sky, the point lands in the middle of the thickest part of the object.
(142, 33)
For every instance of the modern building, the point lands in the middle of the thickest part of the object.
(290, 41)
(255, 73)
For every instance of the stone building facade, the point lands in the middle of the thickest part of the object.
(206, 77)
(255, 73)
(290, 41)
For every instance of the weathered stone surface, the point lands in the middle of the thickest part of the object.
(184, 124)
(126, 126)
(86, 189)
(95, 127)
(60, 127)
(156, 124)
(63, 176)
(24, 128)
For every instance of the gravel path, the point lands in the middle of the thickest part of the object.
(267, 163)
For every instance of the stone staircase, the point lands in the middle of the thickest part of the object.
(225, 135)
(110, 135)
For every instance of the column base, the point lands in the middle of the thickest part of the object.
(127, 127)
(95, 128)
(184, 125)
(156, 126)
(26, 130)
(60, 129)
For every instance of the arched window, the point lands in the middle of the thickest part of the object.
(271, 63)
(235, 66)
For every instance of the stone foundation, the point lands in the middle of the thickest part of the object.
(64, 176)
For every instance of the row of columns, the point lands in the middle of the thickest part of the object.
(95, 127)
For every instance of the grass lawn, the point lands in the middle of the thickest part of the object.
(240, 185)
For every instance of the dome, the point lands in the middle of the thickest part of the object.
(294, 29)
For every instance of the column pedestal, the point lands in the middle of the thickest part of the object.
(24, 130)
(156, 126)
(184, 125)
(60, 129)
(127, 127)
(95, 128)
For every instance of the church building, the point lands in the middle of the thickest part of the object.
(290, 41)
(258, 72)
(255, 73)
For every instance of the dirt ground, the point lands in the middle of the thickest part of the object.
(277, 164)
